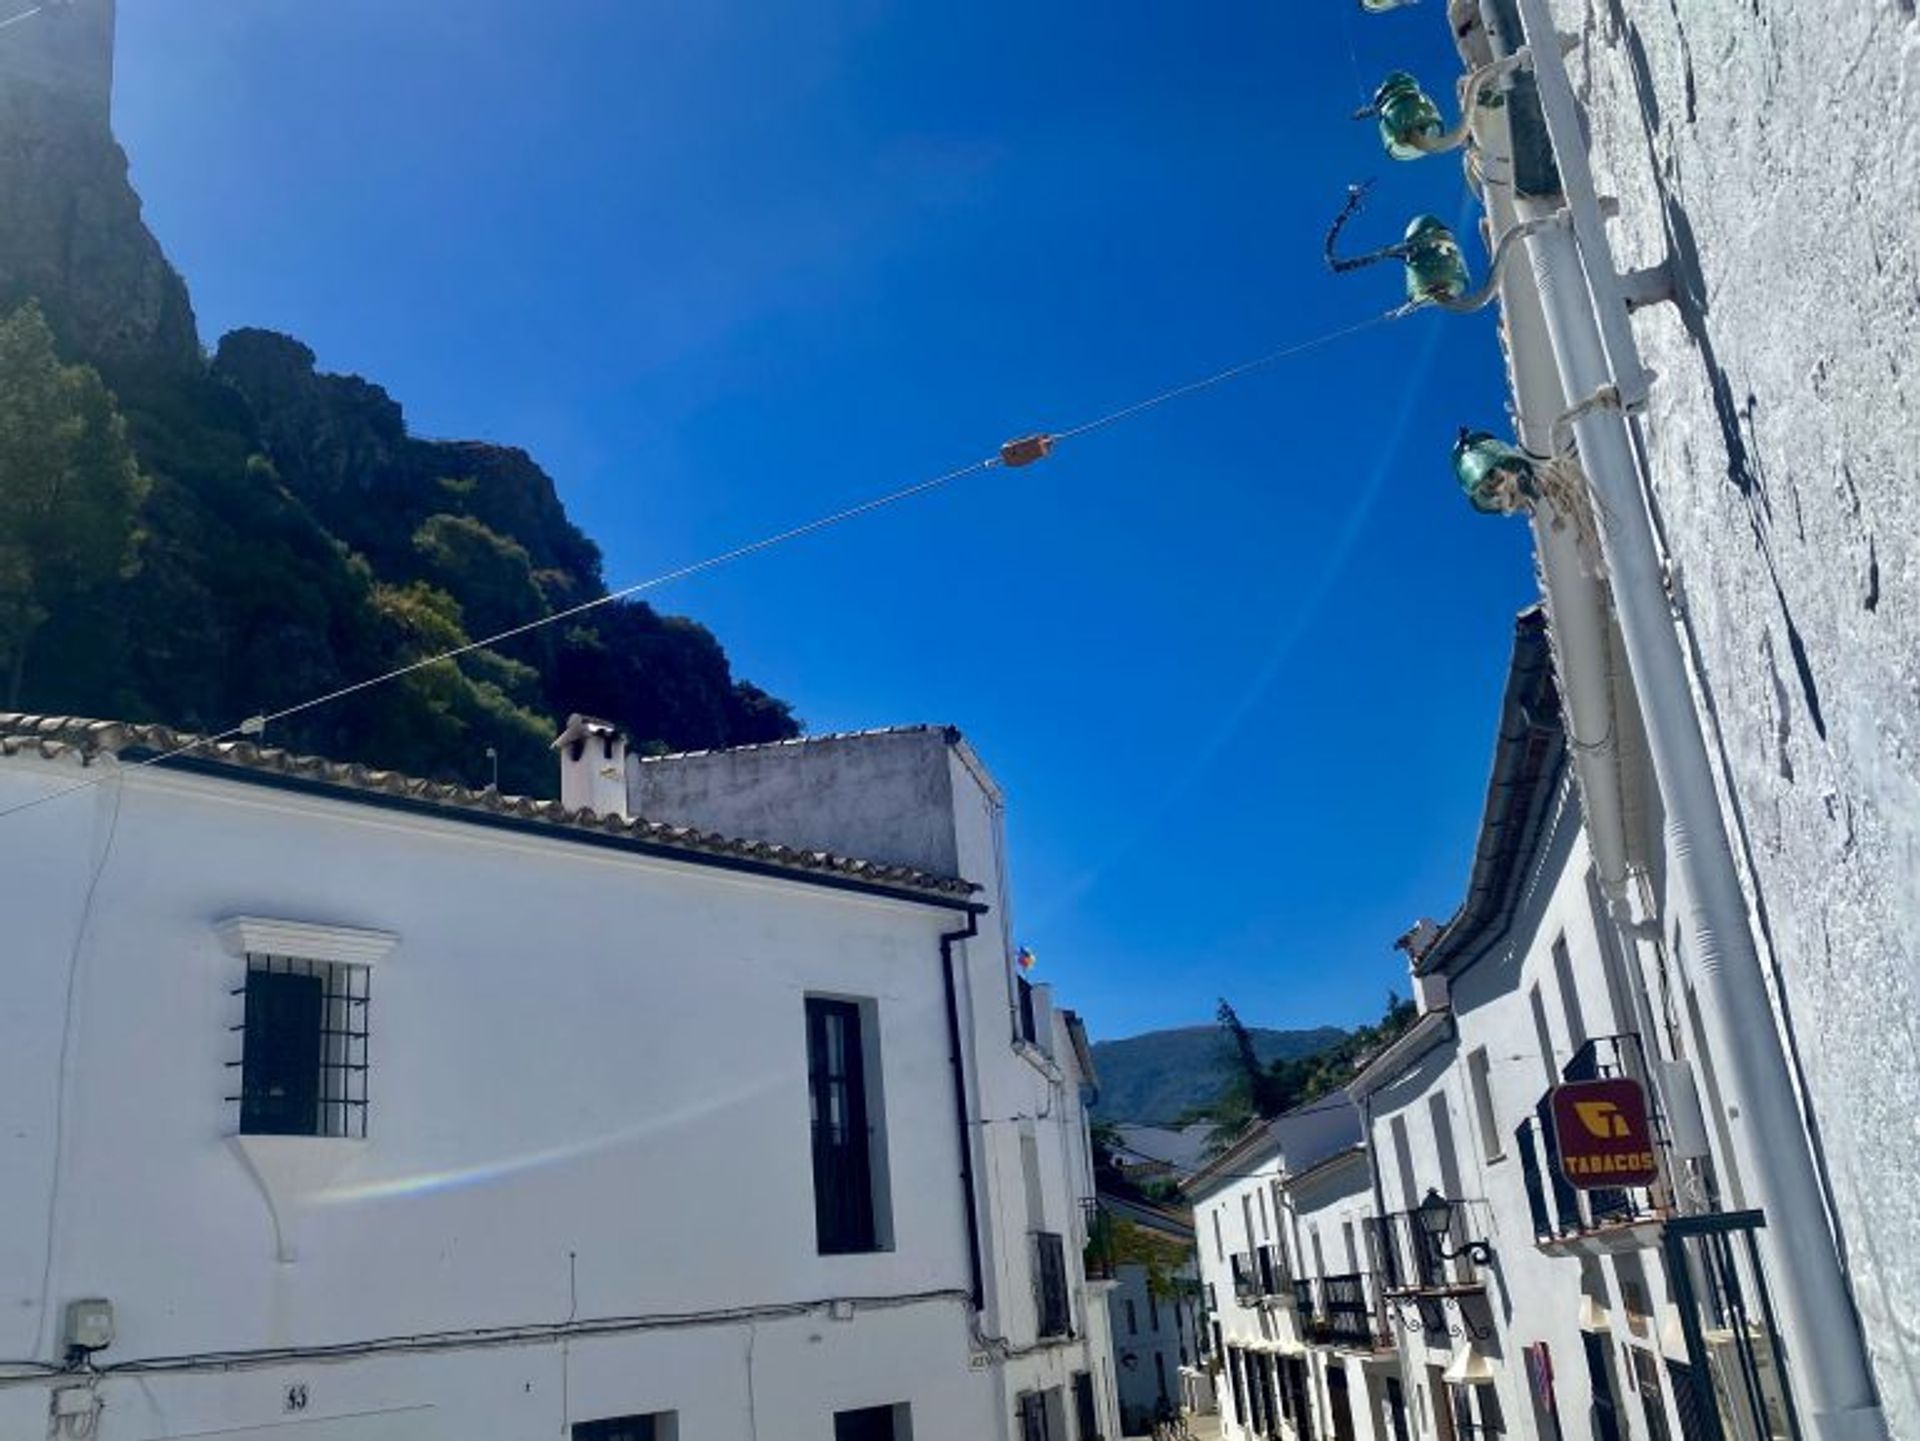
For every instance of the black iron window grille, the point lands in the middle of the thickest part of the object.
(1050, 1284)
(1348, 1316)
(1273, 1275)
(1411, 1259)
(303, 1053)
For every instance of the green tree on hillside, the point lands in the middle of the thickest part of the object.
(1256, 1092)
(70, 491)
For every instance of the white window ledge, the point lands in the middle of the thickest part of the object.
(260, 936)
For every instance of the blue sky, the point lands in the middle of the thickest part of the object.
(724, 267)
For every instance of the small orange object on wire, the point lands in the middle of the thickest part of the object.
(1026, 450)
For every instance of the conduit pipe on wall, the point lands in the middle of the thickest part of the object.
(1581, 628)
(963, 1132)
(1579, 302)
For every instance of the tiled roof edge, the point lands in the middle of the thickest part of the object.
(55, 737)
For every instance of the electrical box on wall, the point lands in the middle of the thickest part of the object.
(89, 1325)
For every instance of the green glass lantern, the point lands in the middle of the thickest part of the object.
(1436, 270)
(1405, 114)
(1495, 477)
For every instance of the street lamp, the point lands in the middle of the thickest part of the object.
(1435, 1218)
(1497, 478)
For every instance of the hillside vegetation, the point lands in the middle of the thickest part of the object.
(197, 539)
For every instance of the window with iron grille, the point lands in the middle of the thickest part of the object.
(303, 1053)
(843, 1189)
(1050, 1284)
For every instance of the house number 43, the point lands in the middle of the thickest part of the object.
(297, 1398)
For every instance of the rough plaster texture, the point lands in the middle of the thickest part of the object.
(1770, 149)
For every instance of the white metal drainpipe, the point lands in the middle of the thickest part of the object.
(1830, 1371)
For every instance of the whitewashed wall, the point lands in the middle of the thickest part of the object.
(588, 1099)
(1768, 149)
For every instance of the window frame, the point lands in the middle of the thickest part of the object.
(332, 1045)
(850, 1211)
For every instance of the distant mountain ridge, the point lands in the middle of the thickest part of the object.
(1157, 1077)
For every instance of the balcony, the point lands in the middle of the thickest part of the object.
(1344, 1312)
(1568, 1221)
(1412, 1262)
(1246, 1277)
(1272, 1272)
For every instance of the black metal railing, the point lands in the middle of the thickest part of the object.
(1273, 1275)
(1303, 1306)
(1347, 1313)
(1413, 1260)
(1246, 1275)
(1560, 1209)
(1050, 1284)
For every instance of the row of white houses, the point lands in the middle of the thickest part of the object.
(341, 1106)
(1409, 1260)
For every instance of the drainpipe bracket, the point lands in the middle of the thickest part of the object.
(1650, 285)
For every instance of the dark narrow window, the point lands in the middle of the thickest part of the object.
(303, 1055)
(619, 1428)
(1086, 1420)
(1133, 1328)
(842, 1159)
(1029, 1029)
(1050, 1284)
(871, 1423)
(1031, 1408)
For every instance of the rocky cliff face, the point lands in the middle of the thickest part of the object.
(71, 234)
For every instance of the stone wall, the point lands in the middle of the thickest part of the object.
(1772, 149)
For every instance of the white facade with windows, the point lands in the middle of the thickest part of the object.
(1443, 1279)
(376, 1110)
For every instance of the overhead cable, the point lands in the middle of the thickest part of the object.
(1023, 451)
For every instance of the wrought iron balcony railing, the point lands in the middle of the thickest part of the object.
(1347, 1313)
(1246, 1276)
(1413, 1261)
(1563, 1214)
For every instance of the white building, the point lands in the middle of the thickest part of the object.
(1417, 1267)
(347, 1107)
(1534, 1310)
(1153, 1313)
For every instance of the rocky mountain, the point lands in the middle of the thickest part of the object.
(1158, 1077)
(286, 535)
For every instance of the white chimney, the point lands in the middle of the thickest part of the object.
(593, 766)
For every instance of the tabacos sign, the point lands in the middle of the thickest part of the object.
(1604, 1136)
